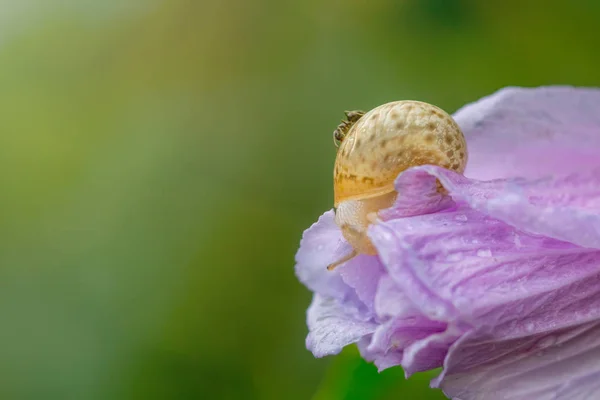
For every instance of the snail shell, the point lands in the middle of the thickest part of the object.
(375, 149)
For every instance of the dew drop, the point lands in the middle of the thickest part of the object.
(529, 326)
(517, 241)
(461, 217)
(484, 253)
(455, 257)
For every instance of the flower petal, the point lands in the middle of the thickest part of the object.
(321, 245)
(461, 260)
(497, 281)
(532, 132)
(331, 328)
(354, 283)
(564, 207)
(430, 352)
(561, 365)
(390, 301)
(362, 273)
(508, 296)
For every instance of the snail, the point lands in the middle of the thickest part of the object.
(374, 147)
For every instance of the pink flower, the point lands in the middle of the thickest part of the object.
(498, 282)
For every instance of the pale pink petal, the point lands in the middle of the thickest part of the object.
(532, 132)
(331, 328)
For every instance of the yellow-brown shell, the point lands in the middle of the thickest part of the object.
(391, 138)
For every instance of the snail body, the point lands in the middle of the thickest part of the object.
(374, 148)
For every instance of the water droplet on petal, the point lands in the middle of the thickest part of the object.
(529, 326)
(455, 257)
(484, 253)
(517, 241)
(461, 217)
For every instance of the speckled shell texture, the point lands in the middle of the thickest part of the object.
(391, 138)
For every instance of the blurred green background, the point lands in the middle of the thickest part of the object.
(160, 159)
